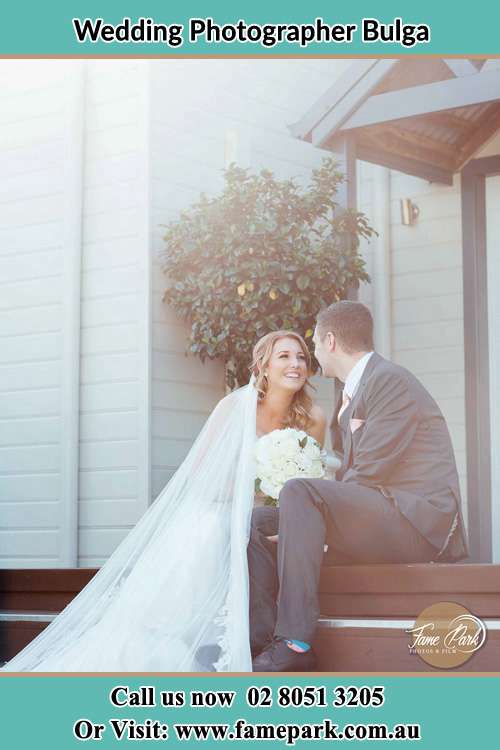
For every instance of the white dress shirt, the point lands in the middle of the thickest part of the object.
(355, 375)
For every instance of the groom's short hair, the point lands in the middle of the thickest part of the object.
(350, 322)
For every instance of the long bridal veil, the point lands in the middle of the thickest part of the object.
(179, 580)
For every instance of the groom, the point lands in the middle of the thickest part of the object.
(395, 498)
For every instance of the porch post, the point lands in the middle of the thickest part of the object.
(343, 148)
(477, 403)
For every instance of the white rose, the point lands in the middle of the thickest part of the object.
(311, 450)
(268, 488)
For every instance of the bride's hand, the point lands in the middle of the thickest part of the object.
(273, 538)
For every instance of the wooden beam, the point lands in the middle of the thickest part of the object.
(489, 165)
(491, 64)
(461, 67)
(481, 135)
(432, 97)
(339, 88)
(399, 146)
(411, 73)
(431, 145)
(478, 63)
(343, 109)
(429, 172)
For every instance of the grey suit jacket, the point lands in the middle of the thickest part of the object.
(401, 445)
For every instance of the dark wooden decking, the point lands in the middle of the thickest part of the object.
(365, 610)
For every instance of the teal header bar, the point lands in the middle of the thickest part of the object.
(235, 711)
(155, 28)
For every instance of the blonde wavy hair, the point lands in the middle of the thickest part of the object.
(299, 415)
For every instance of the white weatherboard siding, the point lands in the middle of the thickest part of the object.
(186, 159)
(427, 308)
(75, 274)
(40, 237)
(99, 404)
(425, 316)
(270, 147)
(115, 351)
(204, 115)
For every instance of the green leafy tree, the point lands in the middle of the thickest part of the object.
(263, 255)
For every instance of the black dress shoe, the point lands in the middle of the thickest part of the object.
(277, 657)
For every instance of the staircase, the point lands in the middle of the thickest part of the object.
(30, 599)
(365, 611)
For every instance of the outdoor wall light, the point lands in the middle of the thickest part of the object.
(409, 212)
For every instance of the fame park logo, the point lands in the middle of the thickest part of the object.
(446, 635)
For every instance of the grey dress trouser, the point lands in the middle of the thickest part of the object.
(359, 524)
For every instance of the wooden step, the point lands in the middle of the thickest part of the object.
(41, 589)
(30, 598)
(404, 590)
(345, 590)
(17, 629)
(365, 610)
(376, 645)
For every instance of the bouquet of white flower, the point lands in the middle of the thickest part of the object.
(282, 455)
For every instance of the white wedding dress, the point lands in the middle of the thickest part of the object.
(179, 580)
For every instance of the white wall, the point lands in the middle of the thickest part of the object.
(426, 283)
(74, 370)
(203, 114)
(185, 159)
(427, 299)
(115, 350)
(156, 135)
(425, 290)
(286, 89)
(39, 233)
(98, 402)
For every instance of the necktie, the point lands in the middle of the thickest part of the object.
(346, 400)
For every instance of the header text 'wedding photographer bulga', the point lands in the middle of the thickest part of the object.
(266, 35)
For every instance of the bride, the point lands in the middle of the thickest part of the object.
(177, 587)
